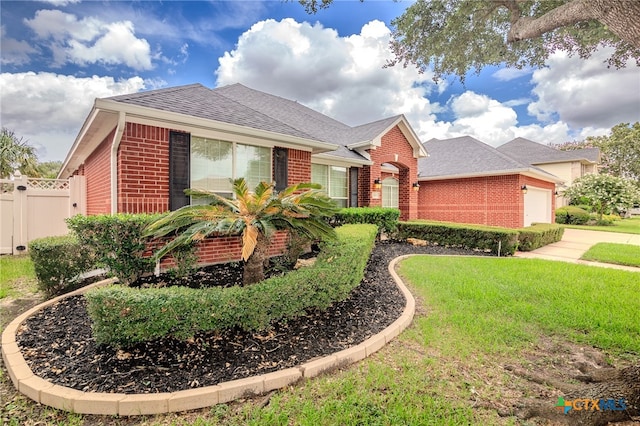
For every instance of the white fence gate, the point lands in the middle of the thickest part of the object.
(33, 208)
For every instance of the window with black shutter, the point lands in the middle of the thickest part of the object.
(280, 167)
(179, 179)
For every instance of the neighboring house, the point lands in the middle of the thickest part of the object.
(465, 180)
(139, 152)
(567, 165)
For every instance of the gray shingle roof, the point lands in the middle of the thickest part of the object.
(240, 105)
(531, 152)
(466, 156)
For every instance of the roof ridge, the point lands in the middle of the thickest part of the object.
(153, 92)
(289, 103)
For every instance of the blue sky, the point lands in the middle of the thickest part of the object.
(58, 56)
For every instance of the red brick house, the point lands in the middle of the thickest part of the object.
(465, 180)
(139, 152)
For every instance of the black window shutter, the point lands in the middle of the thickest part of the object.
(353, 187)
(179, 169)
(280, 167)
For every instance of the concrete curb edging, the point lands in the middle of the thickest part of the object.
(68, 399)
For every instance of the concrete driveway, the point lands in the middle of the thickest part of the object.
(575, 242)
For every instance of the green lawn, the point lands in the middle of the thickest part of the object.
(15, 273)
(619, 254)
(474, 316)
(626, 226)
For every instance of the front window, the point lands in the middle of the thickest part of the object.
(333, 180)
(214, 163)
(390, 193)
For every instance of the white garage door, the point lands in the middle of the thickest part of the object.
(537, 206)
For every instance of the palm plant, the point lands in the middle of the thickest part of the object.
(255, 215)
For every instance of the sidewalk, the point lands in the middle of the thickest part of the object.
(575, 242)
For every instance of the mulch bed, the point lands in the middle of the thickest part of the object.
(57, 343)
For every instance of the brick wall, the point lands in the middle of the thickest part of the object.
(143, 169)
(229, 249)
(299, 166)
(395, 149)
(493, 200)
(97, 169)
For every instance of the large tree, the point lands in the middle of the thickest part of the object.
(620, 151)
(16, 154)
(456, 36)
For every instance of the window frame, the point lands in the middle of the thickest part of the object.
(343, 200)
(234, 162)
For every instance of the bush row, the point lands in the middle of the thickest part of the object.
(58, 261)
(122, 316)
(385, 218)
(538, 235)
(499, 241)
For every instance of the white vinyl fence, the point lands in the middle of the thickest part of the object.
(33, 208)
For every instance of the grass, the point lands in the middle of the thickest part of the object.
(15, 273)
(474, 316)
(626, 226)
(619, 254)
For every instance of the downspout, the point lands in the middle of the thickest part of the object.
(117, 137)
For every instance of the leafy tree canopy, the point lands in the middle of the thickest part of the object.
(16, 154)
(604, 192)
(620, 151)
(457, 36)
(49, 169)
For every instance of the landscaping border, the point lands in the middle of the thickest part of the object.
(76, 401)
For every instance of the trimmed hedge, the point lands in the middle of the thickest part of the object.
(539, 235)
(58, 261)
(123, 316)
(572, 215)
(117, 241)
(385, 218)
(500, 241)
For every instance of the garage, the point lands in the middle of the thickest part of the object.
(537, 206)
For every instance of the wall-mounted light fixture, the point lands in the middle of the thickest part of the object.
(524, 189)
(556, 193)
(377, 184)
(416, 186)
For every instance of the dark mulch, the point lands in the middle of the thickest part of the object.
(58, 346)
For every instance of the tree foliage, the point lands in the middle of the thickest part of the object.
(604, 193)
(620, 151)
(49, 169)
(253, 214)
(457, 36)
(16, 154)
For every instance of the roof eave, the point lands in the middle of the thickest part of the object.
(527, 172)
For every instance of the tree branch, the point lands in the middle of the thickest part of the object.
(524, 27)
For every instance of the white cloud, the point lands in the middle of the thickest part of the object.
(585, 93)
(342, 77)
(48, 109)
(90, 40)
(508, 74)
(61, 2)
(14, 52)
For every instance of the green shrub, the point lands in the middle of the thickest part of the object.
(117, 241)
(122, 316)
(538, 235)
(58, 261)
(500, 241)
(571, 215)
(386, 219)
